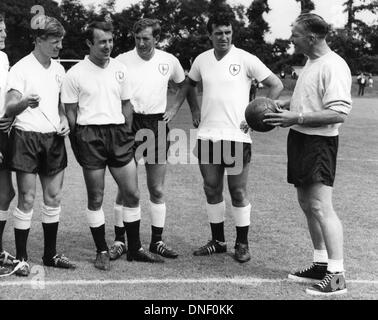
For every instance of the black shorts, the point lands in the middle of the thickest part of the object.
(311, 159)
(4, 149)
(35, 152)
(226, 153)
(98, 146)
(151, 138)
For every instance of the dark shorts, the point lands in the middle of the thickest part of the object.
(35, 152)
(4, 149)
(98, 146)
(151, 138)
(311, 159)
(226, 153)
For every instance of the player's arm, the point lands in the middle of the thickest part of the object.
(15, 104)
(191, 97)
(71, 114)
(128, 111)
(285, 118)
(187, 91)
(5, 123)
(274, 85)
(177, 102)
(64, 128)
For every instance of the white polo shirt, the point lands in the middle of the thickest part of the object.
(98, 91)
(149, 79)
(28, 76)
(4, 67)
(324, 83)
(226, 85)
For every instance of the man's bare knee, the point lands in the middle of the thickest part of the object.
(95, 200)
(26, 200)
(238, 196)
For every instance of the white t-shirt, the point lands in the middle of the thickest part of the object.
(99, 92)
(148, 80)
(4, 67)
(324, 83)
(226, 85)
(28, 76)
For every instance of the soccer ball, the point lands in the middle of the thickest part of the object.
(255, 112)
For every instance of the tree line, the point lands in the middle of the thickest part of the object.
(184, 29)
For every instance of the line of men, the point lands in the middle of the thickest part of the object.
(108, 101)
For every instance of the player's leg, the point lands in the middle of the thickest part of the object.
(118, 248)
(317, 270)
(26, 186)
(6, 195)
(241, 212)
(51, 209)
(213, 175)
(127, 181)
(320, 202)
(155, 183)
(95, 184)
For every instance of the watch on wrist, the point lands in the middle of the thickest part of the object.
(300, 118)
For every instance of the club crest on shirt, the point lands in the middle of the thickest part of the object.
(120, 76)
(234, 69)
(163, 68)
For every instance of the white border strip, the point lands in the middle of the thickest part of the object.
(236, 281)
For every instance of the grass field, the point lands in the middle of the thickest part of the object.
(279, 240)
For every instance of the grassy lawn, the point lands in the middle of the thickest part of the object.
(279, 240)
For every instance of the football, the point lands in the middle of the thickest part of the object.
(255, 113)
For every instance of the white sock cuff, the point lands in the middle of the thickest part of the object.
(4, 215)
(50, 214)
(158, 213)
(118, 215)
(131, 214)
(241, 215)
(320, 256)
(95, 218)
(216, 212)
(335, 265)
(22, 220)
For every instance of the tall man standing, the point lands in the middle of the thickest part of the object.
(6, 187)
(149, 71)
(226, 73)
(37, 140)
(320, 104)
(97, 101)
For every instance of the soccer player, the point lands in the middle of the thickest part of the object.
(320, 104)
(149, 71)
(226, 73)
(37, 140)
(96, 97)
(6, 187)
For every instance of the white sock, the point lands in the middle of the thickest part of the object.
(131, 214)
(22, 220)
(216, 212)
(158, 213)
(95, 218)
(320, 256)
(50, 214)
(335, 265)
(242, 216)
(118, 215)
(4, 215)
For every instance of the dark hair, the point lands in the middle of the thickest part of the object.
(222, 19)
(48, 27)
(146, 23)
(106, 26)
(313, 23)
(2, 17)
